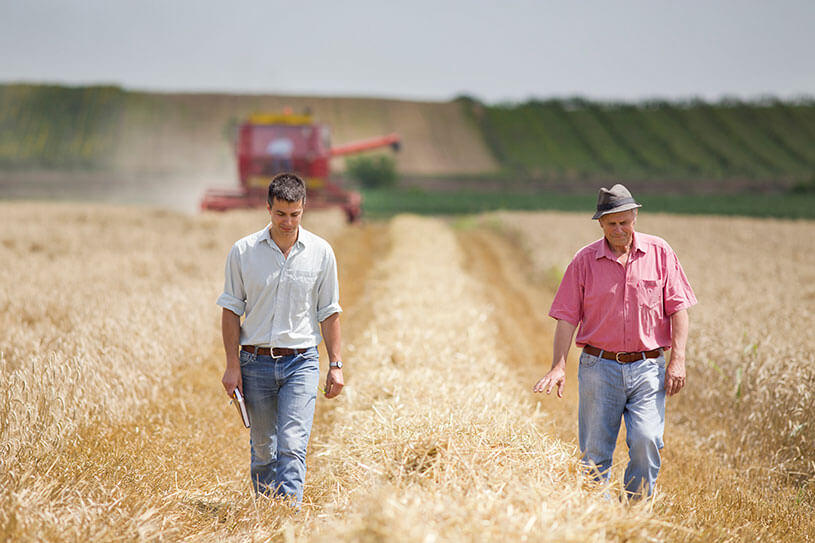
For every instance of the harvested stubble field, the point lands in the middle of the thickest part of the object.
(114, 425)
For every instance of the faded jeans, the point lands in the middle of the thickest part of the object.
(635, 392)
(280, 394)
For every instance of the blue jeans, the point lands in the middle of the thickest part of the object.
(280, 394)
(609, 392)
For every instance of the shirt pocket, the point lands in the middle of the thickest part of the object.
(649, 299)
(301, 286)
(649, 294)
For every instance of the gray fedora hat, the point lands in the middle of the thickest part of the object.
(614, 200)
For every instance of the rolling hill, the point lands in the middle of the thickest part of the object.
(109, 128)
(568, 144)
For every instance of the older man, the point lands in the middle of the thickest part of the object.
(283, 279)
(629, 297)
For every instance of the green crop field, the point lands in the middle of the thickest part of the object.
(542, 154)
(58, 127)
(384, 203)
(577, 139)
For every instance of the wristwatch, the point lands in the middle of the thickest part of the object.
(337, 364)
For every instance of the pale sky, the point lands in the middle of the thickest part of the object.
(421, 49)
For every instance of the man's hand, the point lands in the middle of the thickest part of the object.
(564, 332)
(555, 377)
(232, 379)
(333, 383)
(675, 374)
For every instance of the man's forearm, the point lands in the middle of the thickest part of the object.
(231, 332)
(556, 377)
(332, 334)
(679, 332)
(564, 332)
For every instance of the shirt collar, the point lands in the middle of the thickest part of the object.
(267, 236)
(636, 246)
(605, 251)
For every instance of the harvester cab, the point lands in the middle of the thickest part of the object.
(268, 144)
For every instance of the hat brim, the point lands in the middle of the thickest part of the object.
(618, 209)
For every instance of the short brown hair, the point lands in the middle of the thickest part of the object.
(287, 186)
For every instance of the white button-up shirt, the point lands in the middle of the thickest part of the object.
(283, 299)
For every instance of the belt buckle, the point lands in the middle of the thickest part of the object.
(271, 353)
(617, 357)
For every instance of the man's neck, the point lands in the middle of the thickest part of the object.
(284, 242)
(620, 250)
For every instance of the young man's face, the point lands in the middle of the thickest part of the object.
(286, 217)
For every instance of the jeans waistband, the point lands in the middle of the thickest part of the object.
(272, 351)
(622, 358)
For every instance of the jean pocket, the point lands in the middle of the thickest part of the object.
(587, 360)
(660, 361)
(245, 358)
(312, 356)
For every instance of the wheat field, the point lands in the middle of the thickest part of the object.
(114, 426)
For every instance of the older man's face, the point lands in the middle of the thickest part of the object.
(618, 228)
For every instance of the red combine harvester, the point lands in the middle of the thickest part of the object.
(268, 144)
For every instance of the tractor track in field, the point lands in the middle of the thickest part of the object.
(520, 313)
(357, 250)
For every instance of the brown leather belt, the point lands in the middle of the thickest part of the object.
(622, 358)
(276, 351)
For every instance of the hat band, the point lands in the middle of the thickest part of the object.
(618, 203)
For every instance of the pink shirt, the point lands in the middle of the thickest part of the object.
(623, 308)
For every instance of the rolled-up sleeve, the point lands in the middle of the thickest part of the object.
(233, 297)
(328, 289)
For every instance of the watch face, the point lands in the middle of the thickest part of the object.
(337, 364)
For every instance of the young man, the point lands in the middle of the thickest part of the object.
(283, 281)
(630, 297)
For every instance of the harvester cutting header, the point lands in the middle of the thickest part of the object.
(268, 144)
